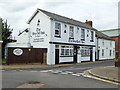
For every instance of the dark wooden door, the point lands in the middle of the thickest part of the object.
(75, 54)
(91, 55)
(56, 56)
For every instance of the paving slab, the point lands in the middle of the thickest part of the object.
(110, 73)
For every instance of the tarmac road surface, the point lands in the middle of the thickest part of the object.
(59, 77)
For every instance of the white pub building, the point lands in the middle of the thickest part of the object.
(66, 40)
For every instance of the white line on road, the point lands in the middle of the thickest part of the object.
(33, 71)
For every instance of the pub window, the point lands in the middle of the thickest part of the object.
(57, 29)
(83, 34)
(71, 32)
(92, 36)
(66, 50)
(85, 52)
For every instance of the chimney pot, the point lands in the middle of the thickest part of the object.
(89, 22)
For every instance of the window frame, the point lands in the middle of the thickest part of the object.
(85, 51)
(58, 29)
(72, 36)
(92, 36)
(82, 34)
(66, 51)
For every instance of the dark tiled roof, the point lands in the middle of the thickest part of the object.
(71, 21)
(101, 35)
(66, 20)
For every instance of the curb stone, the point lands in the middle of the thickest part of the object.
(105, 78)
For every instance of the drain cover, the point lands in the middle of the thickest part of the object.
(33, 82)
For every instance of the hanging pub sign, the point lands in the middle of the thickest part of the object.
(17, 52)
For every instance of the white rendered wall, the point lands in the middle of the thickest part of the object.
(23, 38)
(45, 26)
(65, 36)
(106, 48)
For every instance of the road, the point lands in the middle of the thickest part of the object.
(62, 77)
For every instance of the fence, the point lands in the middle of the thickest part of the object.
(26, 55)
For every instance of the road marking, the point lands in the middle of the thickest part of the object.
(63, 73)
(14, 70)
(20, 70)
(33, 71)
(44, 71)
(96, 78)
(68, 72)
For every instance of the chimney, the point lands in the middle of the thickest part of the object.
(89, 22)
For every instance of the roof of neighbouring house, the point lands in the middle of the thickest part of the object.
(26, 30)
(69, 21)
(104, 36)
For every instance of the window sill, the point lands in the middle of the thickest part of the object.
(57, 36)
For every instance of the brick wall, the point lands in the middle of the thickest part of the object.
(116, 43)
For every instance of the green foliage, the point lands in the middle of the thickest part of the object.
(6, 36)
(4, 61)
(6, 33)
(117, 60)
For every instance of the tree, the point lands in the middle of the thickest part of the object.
(6, 35)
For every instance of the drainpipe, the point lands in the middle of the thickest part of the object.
(119, 30)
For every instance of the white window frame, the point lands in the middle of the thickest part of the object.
(92, 36)
(85, 51)
(71, 32)
(58, 29)
(83, 34)
(66, 51)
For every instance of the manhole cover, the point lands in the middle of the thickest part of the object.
(31, 84)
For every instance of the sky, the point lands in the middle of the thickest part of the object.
(103, 13)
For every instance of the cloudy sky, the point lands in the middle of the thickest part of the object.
(103, 13)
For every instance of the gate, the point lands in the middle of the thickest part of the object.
(27, 55)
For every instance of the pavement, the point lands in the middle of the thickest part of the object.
(39, 65)
(110, 73)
